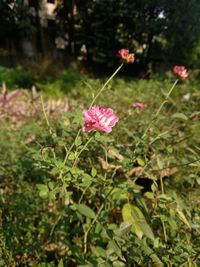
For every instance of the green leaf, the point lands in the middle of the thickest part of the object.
(180, 116)
(124, 228)
(140, 162)
(119, 194)
(60, 263)
(43, 190)
(99, 251)
(78, 141)
(159, 162)
(150, 253)
(114, 247)
(86, 211)
(86, 180)
(181, 215)
(93, 172)
(72, 156)
(134, 216)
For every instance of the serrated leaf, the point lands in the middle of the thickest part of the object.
(72, 156)
(133, 215)
(124, 228)
(86, 211)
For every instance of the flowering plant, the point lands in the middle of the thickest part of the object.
(126, 56)
(99, 118)
(181, 72)
(92, 189)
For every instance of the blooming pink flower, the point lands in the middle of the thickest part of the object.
(99, 119)
(139, 105)
(126, 56)
(181, 71)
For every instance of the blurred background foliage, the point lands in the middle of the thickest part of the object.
(160, 32)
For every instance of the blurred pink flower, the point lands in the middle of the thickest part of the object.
(126, 56)
(99, 119)
(181, 71)
(139, 105)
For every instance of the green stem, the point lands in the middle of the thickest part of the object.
(157, 114)
(94, 221)
(162, 186)
(164, 230)
(71, 147)
(45, 115)
(94, 99)
(166, 98)
(91, 225)
(83, 148)
(83, 193)
(106, 83)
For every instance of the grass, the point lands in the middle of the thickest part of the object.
(160, 178)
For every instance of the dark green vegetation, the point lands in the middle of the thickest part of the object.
(158, 31)
(128, 199)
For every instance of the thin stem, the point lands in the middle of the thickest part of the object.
(71, 147)
(91, 225)
(55, 224)
(164, 231)
(83, 193)
(83, 148)
(94, 221)
(166, 98)
(157, 114)
(161, 183)
(159, 109)
(45, 115)
(178, 165)
(106, 83)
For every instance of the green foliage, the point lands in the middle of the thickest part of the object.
(16, 20)
(154, 29)
(55, 83)
(15, 78)
(121, 199)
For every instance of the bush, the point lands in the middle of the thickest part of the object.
(77, 198)
(15, 78)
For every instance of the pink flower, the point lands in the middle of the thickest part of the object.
(99, 119)
(123, 53)
(139, 105)
(181, 71)
(126, 56)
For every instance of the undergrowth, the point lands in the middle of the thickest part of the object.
(96, 199)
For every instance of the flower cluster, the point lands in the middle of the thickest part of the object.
(126, 56)
(181, 71)
(99, 118)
